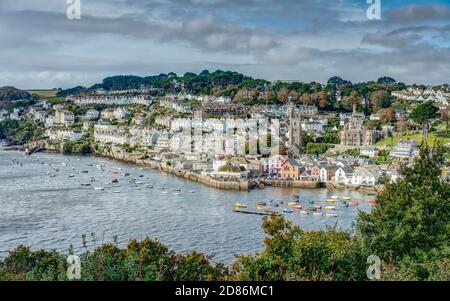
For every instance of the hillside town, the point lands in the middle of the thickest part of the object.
(295, 143)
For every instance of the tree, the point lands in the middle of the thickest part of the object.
(422, 114)
(282, 95)
(337, 81)
(386, 80)
(387, 115)
(412, 218)
(307, 99)
(323, 99)
(379, 100)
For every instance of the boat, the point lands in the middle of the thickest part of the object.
(116, 191)
(177, 193)
(86, 184)
(330, 208)
(346, 198)
(191, 191)
(92, 180)
(99, 188)
(318, 207)
(297, 206)
(287, 210)
(239, 205)
(84, 171)
(310, 202)
(330, 201)
(317, 213)
(290, 204)
(165, 192)
(150, 186)
(71, 175)
(331, 215)
(115, 181)
(52, 175)
(334, 197)
(354, 203)
(304, 212)
(262, 203)
(178, 190)
(263, 208)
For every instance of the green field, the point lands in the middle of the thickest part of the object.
(43, 93)
(417, 137)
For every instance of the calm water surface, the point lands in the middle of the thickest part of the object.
(53, 212)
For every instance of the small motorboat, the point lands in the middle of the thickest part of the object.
(310, 202)
(318, 207)
(297, 207)
(115, 181)
(261, 203)
(330, 201)
(317, 213)
(177, 190)
(290, 204)
(330, 208)
(71, 175)
(116, 191)
(86, 184)
(304, 212)
(99, 188)
(191, 191)
(84, 171)
(334, 197)
(239, 205)
(331, 215)
(287, 210)
(346, 198)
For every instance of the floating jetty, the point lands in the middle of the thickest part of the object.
(255, 212)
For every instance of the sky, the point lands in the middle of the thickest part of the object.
(306, 40)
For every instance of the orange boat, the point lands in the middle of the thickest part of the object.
(318, 207)
(298, 207)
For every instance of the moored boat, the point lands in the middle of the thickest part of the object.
(239, 205)
(330, 208)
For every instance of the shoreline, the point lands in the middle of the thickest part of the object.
(116, 153)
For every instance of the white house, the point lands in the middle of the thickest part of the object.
(370, 151)
(63, 134)
(92, 114)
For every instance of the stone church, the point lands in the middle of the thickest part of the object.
(355, 134)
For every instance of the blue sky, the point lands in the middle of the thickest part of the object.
(307, 40)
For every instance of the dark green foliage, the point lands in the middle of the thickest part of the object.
(412, 219)
(20, 132)
(76, 148)
(317, 148)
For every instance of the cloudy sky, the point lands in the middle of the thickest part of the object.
(307, 40)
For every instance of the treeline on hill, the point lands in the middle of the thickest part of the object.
(247, 90)
(11, 98)
(20, 132)
(409, 230)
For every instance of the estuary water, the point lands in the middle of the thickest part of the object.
(43, 205)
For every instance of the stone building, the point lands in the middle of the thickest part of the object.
(355, 134)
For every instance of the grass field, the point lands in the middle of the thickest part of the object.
(44, 93)
(417, 137)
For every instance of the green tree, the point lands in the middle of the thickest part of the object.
(412, 218)
(422, 114)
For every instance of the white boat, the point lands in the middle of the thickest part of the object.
(116, 191)
(317, 213)
(71, 175)
(165, 192)
(178, 193)
(191, 191)
(99, 188)
(331, 215)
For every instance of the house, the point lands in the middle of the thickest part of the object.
(92, 115)
(405, 149)
(344, 175)
(121, 113)
(327, 173)
(315, 172)
(63, 134)
(291, 169)
(370, 151)
(366, 176)
(274, 164)
(307, 177)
